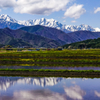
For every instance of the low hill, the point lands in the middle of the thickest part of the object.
(90, 43)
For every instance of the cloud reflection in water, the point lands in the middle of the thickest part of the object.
(97, 93)
(35, 95)
(74, 92)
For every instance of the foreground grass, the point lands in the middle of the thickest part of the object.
(49, 73)
(48, 70)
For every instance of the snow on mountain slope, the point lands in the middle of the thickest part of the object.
(7, 21)
(7, 18)
(45, 22)
(55, 24)
(78, 28)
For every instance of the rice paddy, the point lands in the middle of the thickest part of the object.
(56, 58)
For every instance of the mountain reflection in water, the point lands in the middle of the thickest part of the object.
(49, 88)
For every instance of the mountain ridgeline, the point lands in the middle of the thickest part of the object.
(51, 33)
(19, 38)
(41, 36)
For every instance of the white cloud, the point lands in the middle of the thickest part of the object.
(97, 10)
(7, 3)
(75, 11)
(44, 7)
(73, 21)
(75, 92)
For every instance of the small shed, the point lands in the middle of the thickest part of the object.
(9, 49)
(60, 48)
(37, 49)
(19, 49)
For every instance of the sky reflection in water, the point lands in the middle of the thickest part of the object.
(22, 88)
(57, 68)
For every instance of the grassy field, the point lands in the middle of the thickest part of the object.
(51, 58)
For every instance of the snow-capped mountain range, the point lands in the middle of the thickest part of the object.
(7, 21)
(55, 24)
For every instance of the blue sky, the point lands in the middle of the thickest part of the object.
(69, 12)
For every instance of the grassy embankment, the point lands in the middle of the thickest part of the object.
(50, 73)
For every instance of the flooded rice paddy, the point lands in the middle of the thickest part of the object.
(53, 67)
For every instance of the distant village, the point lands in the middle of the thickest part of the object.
(29, 48)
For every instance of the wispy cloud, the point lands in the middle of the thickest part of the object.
(73, 21)
(64, 20)
(97, 10)
(75, 11)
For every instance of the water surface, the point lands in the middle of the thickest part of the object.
(49, 88)
(53, 67)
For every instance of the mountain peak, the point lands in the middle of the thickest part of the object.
(43, 19)
(7, 18)
(4, 15)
